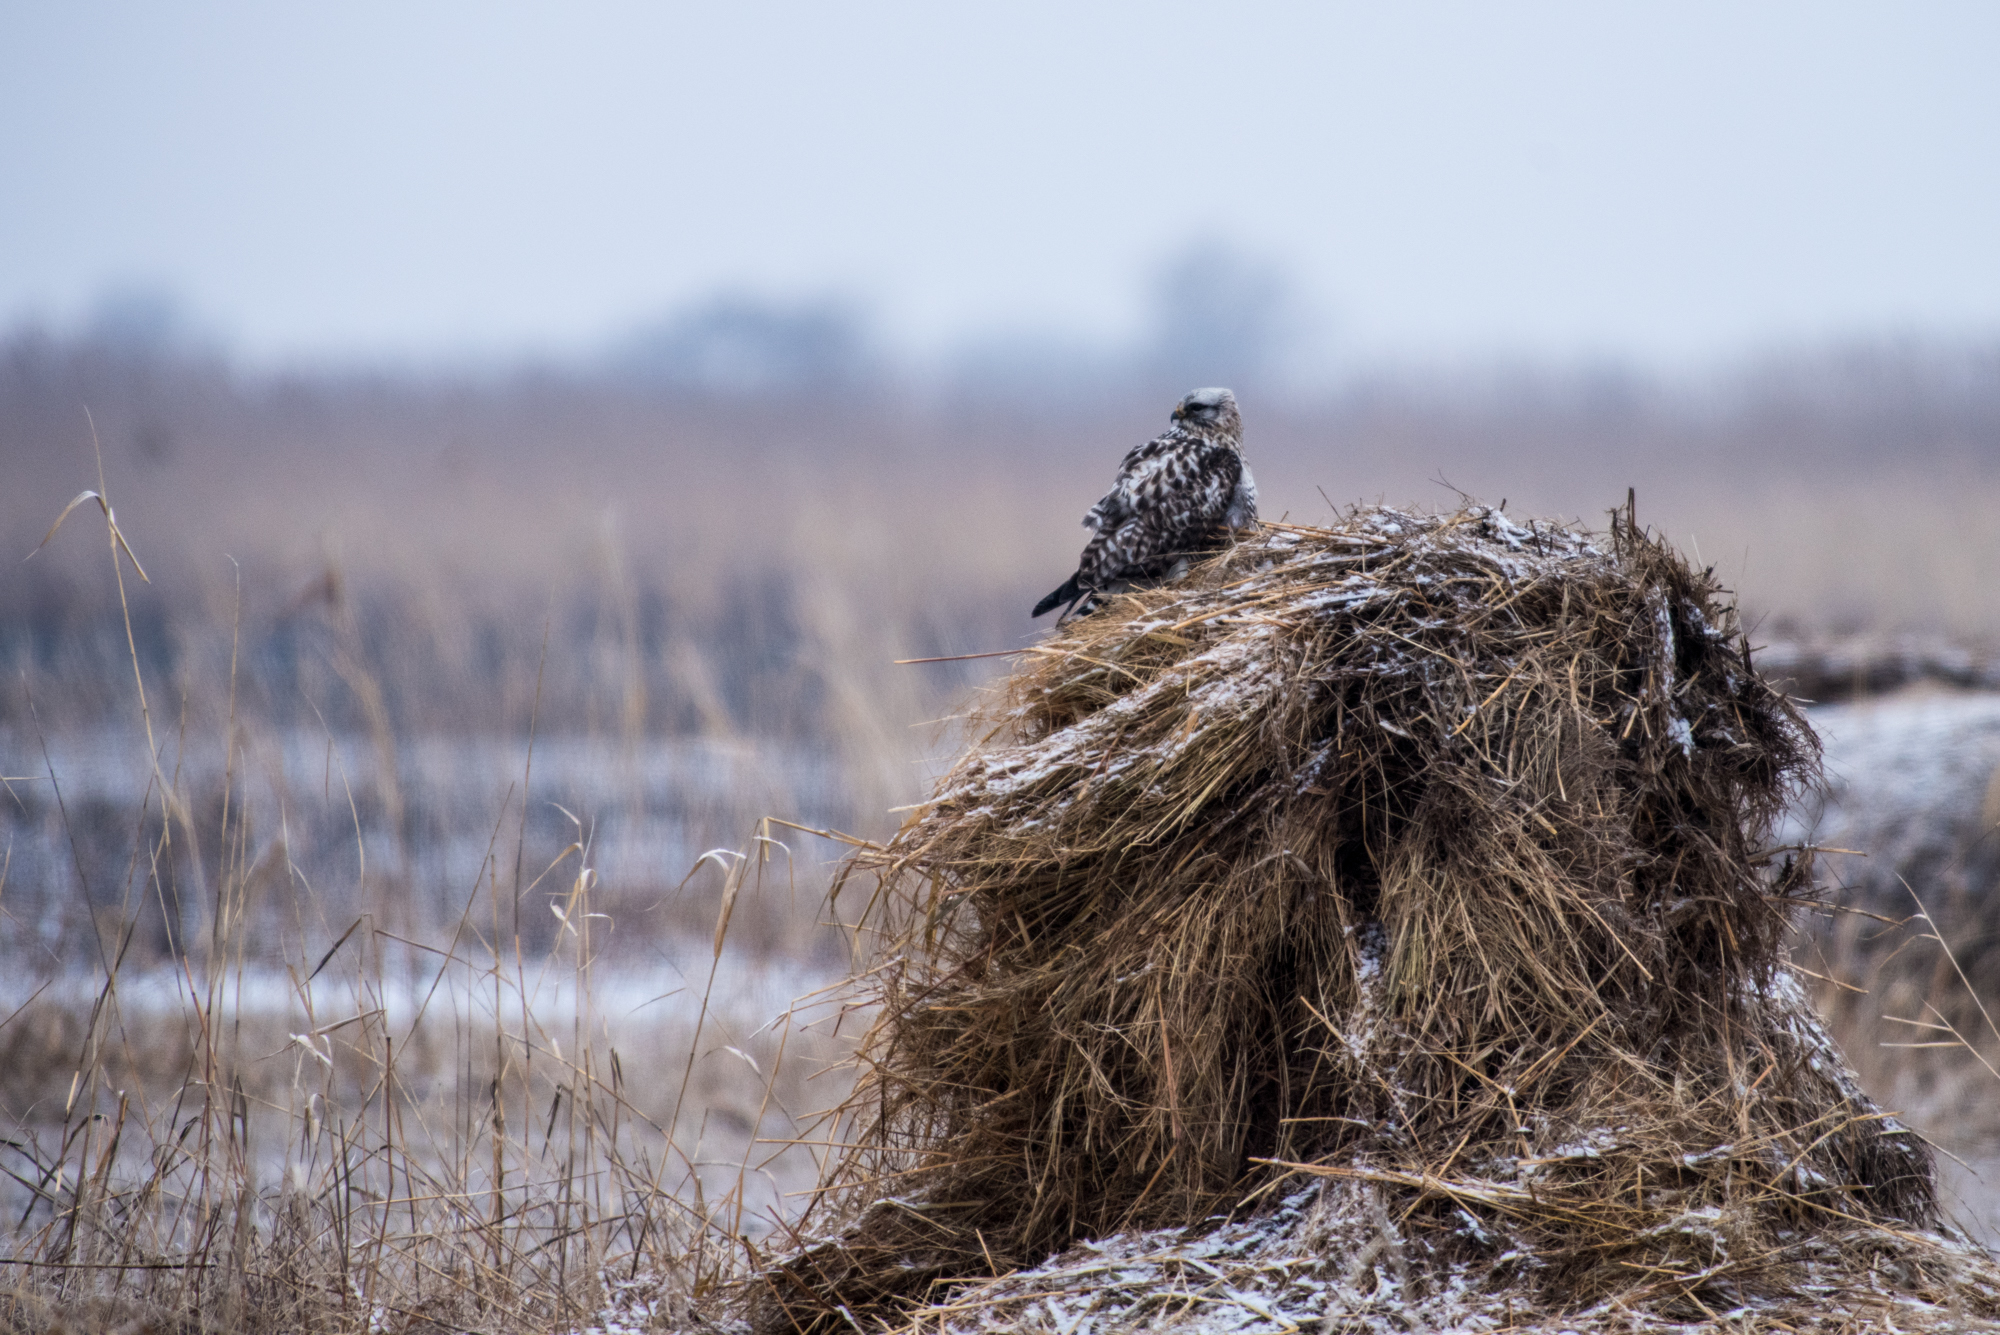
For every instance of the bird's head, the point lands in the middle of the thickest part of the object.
(1209, 410)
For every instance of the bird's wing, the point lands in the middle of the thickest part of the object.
(1138, 477)
(1212, 486)
(1175, 499)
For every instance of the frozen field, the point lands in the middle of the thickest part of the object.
(1913, 787)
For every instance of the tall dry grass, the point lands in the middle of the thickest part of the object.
(438, 1127)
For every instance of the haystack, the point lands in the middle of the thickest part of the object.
(1378, 922)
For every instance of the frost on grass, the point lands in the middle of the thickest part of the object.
(1335, 1258)
(1339, 1255)
(1380, 928)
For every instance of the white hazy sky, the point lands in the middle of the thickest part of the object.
(1663, 182)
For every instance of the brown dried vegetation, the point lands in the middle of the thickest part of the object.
(1426, 853)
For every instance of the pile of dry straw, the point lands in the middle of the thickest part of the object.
(1373, 929)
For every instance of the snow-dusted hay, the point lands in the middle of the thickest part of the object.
(1426, 852)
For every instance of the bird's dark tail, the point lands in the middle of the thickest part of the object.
(1071, 590)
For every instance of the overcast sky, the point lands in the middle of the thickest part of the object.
(1656, 182)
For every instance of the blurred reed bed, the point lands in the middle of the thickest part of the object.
(459, 1122)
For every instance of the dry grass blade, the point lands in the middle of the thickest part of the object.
(110, 520)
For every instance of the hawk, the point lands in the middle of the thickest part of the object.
(1175, 498)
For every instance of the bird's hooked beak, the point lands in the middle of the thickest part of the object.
(1180, 412)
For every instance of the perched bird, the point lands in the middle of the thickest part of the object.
(1174, 499)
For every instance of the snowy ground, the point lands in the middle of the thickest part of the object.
(1913, 785)
(420, 821)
